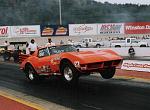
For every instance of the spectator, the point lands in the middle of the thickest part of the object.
(27, 48)
(131, 52)
(16, 53)
(70, 41)
(50, 43)
(32, 46)
(6, 54)
(61, 42)
(6, 45)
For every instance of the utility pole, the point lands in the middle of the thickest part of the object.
(60, 13)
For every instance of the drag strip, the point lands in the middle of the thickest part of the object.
(92, 93)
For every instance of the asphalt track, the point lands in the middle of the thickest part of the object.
(91, 93)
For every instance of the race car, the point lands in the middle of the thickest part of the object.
(68, 62)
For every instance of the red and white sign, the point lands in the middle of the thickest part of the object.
(137, 28)
(82, 29)
(136, 65)
(26, 31)
(111, 28)
(4, 31)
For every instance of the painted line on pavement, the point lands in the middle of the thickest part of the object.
(27, 103)
(42, 104)
(91, 107)
(133, 78)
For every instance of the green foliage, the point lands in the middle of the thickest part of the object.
(26, 12)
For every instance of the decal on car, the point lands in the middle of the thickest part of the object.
(55, 61)
(77, 64)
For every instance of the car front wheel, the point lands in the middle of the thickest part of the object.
(108, 73)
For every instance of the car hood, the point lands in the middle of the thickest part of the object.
(95, 56)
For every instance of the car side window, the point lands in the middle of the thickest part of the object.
(43, 52)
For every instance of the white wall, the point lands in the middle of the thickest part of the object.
(123, 51)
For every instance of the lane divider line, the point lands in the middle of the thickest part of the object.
(92, 107)
(133, 78)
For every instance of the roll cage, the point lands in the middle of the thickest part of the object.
(47, 51)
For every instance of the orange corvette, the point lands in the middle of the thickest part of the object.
(69, 62)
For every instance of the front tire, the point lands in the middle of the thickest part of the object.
(69, 72)
(108, 73)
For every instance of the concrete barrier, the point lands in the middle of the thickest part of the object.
(123, 51)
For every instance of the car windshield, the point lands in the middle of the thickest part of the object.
(62, 48)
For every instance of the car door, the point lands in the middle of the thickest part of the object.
(48, 60)
(44, 60)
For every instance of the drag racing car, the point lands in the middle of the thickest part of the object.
(68, 62)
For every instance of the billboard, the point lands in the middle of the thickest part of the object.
(4, 31)
(25, 31)
(111, 28)
(54, 30)
(136, 65)
(82, 29)
(137, 28)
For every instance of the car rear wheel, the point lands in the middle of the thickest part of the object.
(108, 73)
(31, 74)
(142, 45)
(7, 56)
(98, 46)
(78, 46)
(69, 72)
(117, 46)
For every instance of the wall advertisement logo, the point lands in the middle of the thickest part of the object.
(114, 28)
(3, 31)
(82, 29)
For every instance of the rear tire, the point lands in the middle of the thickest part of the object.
(117, 46)
(69, 72)
(31, 74)
(98, 46)
(108, 73)
(78, 46)
(6, 56)
(142, 45)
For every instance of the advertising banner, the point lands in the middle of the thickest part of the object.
(4, 31)
(25, 31)
(54, 30)
(82, 29)
(111, 28)
(136, 65)
(137, 28)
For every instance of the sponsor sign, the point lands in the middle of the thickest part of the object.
(137, 28)
(27, 31)
(4, 31)
(82, 29)
(136, 65)
(54, 30)
(111, 28)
